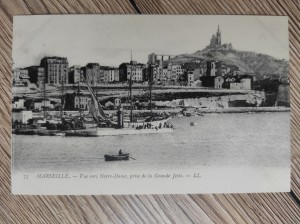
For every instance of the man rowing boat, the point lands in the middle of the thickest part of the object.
(120, 152)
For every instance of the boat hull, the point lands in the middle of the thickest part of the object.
(95, 132)
(153, 124)
(108, 157)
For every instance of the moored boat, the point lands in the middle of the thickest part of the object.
(53, 133)
(95, 132)
(107, 126)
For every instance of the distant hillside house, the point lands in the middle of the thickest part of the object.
(246, 83)
(190, 78)
(176, 72)
(198, 72)
(236, 86)
(219, 80)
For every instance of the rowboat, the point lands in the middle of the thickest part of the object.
(110, 157)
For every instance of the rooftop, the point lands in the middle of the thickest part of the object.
(91, 65)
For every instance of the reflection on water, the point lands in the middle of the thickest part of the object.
(236, 140)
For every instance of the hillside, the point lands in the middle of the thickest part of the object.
(248, 62)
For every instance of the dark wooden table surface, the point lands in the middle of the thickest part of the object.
(216, 208)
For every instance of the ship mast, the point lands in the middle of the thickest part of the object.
(63, 78)
(130, 96)
(150, 92)
(44, 97)
(130, 87)
(78, 94)
(150, 87)
(62, 97)
(95, 85)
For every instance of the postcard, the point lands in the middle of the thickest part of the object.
(150, 104)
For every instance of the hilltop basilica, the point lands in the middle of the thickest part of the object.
(216, 42)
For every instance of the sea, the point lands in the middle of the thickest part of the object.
(217, 140)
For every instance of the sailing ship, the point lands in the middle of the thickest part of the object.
(107, 127)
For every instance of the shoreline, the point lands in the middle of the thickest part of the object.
(247, 110)
(189, 112)
(210, 110)
(179, 110)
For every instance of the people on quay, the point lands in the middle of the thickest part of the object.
(149, 126)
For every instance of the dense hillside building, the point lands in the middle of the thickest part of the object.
(176, 72)
(56, 70)
(20, 76)
(246, 83)
(151, 73)
(93, 73)
(77, 101)
(131, 70)
(108, 74)
(75, 74)
(36, 75)
(116, 75)
(163, 71)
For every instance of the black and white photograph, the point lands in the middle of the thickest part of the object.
(150, 104)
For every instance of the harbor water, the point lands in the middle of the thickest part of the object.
(218, 140)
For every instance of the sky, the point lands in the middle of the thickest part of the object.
(109, 39)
